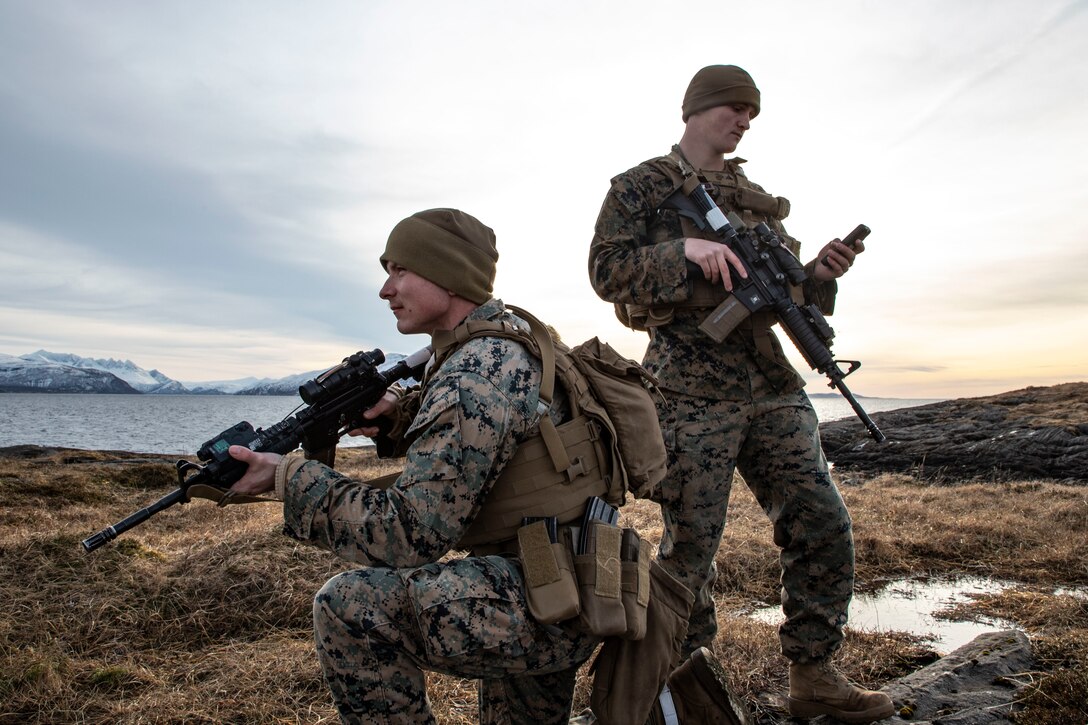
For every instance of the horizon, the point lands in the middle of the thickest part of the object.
(810, 389)
(209, 187)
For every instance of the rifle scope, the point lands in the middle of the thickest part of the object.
(332, 382)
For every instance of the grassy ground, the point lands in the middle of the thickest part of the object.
(202, 614)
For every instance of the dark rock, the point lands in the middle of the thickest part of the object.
(25, 451)
(978, 683)
(1036, 432)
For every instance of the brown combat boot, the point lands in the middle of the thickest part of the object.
(819, 689)
(697, 693)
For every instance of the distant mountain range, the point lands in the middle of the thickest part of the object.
(55, 372)
(58, 372)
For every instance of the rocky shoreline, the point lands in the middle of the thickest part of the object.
(1033, 433)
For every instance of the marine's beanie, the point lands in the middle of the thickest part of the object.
(720, 85)
(448, 247)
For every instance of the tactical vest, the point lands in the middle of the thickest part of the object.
(735, 193)
(553, 472)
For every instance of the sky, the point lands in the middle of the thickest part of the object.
(205, 188)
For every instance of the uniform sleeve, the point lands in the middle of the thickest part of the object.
(625, 264)
(394, 442)
(822, 294)
(462, 430)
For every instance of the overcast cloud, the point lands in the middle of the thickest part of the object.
(205, 188)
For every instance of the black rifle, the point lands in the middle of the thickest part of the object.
(336, 400)
(772, 268)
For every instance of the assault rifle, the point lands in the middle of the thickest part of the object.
(336, 400)
(772, 269)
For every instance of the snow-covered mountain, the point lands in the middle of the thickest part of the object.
(45, 371)
(144, 381)
(283, 386)
(290, 384)
(43, 376)
(224, 387)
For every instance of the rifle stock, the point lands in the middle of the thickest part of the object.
(335, 402)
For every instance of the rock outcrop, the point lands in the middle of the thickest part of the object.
(1037, 432)
(977, 684)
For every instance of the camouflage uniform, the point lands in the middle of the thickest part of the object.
(379, 627)
(735, 405)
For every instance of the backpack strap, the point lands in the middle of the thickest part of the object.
(540, 342)
(545, 345)
(545, 348)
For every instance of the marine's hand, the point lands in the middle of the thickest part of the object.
(383, 407)
(260, 477)
(835, 259)
(714, 259)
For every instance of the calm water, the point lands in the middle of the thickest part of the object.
(179, 424)
(172, 424)
(920, 608)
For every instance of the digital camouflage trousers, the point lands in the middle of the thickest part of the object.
(378, 629)
(773, 441)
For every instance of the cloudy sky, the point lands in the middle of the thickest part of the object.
(205, 187)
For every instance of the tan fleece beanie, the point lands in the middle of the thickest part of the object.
(720, 85)
(448, 247)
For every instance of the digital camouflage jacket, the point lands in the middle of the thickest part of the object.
(637, 258)
(473, 409)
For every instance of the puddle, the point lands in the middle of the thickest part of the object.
(1076, 593)
(914, 606)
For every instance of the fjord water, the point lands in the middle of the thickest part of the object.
(171, 424)
(179, 424)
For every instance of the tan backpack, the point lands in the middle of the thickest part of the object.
(614, 420)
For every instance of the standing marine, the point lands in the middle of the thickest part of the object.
(738, 404)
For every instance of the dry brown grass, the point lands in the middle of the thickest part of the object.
(202, 614)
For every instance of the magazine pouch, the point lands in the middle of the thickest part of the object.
(599, 573)
(634, 582)
(549, 574)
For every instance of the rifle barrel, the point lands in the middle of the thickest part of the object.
(110, 533)
(870, 426)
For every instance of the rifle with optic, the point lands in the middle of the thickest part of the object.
(335, 401)
(772, 269)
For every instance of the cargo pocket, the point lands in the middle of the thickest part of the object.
(470, 607)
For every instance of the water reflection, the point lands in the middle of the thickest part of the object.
(914, 606)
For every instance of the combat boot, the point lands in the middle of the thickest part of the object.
(819, 689)
(696, 693)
